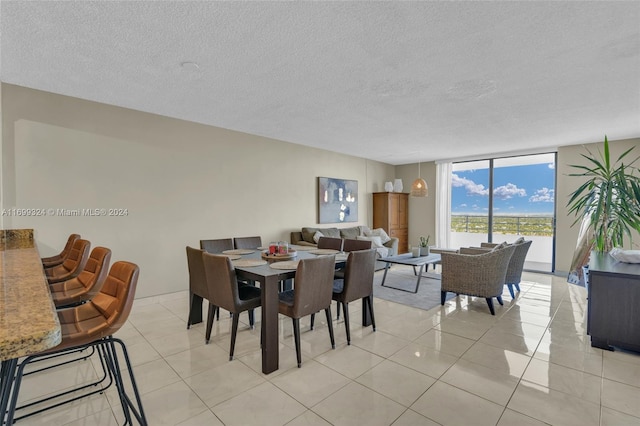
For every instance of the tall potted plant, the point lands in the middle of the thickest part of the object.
(609, 200)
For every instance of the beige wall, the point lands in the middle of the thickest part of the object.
(566, 235)
(179, 181)
(422, 220)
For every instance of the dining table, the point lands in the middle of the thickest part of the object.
(28, 320)
(269, 278)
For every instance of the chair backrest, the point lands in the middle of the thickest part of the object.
(516, 264)
(247, 242)
(221, 281)
(330, 243)
(353, 245)
(216, 246)
(106, 313)
(476, 274)
(358, 275)
(77, 258)
(197, 278)
(91, 279)
(65, 251)
(313, 285)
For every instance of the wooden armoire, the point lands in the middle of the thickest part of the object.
(391, 212)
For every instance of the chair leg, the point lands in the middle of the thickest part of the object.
(517, 287)
(369, 302)
(127, 404)
(510, 287)
(234, 331)
(499, 300)
(443, 297)
(345, 309)
(210, 316)
(251, 318)
(330, 322)
(296, 338)
(490, 303)
(313, 319)
(338, 309)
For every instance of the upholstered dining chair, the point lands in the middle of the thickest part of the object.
(88, 282)
(225, 292)
(198, 286)
(217, 246)
(516, 265)
(350, 245)
(481, 275)
(356, 284)
(57, 259)
(353, 245)
(90, 325)
(247, 242)
(330, 243)
(73, 264)
(312, 293)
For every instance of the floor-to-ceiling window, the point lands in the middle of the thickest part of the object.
(502, 199)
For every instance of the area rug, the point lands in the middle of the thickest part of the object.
(427, 297)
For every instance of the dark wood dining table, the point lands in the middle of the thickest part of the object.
(269, 279)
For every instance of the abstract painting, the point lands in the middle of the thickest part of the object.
(337, 200)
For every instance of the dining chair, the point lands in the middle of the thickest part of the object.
(247, 242)
(349, 245)
(480, 275)
(88, 282)
(217, 246)
(225, 292)
(92, 325)
(330, 243)
(73, 264)
(312, 293)
(198, 287)
(356, 284)
(353, 245)
(57, 259)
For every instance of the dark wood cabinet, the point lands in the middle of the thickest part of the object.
(614, 303)
(391, 213)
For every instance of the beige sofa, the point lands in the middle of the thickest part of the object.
(304, 237)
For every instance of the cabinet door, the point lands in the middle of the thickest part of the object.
(403, 211)
(394, 211)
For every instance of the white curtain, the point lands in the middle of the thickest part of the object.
(443, 204)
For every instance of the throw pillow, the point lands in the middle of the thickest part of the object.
(379, 232)
(500, 246)
(375, 241)
(317, 236)
(308, 233)
(519, 240)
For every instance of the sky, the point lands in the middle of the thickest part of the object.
(519, 189)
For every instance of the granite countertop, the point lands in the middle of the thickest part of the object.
(28, 319)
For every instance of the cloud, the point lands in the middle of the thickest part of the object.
(544, 195)
(463, 205)
(552, 166)
(471, 187)
(509, 190)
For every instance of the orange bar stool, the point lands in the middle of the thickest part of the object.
(73, 264)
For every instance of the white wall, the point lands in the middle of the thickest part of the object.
(179, 181)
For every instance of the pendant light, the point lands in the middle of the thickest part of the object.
(419, 187)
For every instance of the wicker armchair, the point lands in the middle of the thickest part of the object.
(516, 264)
(481, 275)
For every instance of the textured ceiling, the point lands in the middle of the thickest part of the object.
(397, 82)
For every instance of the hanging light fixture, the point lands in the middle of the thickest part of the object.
(419, 187)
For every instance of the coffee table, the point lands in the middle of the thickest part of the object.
(409, 260)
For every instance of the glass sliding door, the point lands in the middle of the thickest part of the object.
(503, 199)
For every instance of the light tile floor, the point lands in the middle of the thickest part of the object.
(531, 364)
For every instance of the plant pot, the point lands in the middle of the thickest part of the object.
(415, 251)
(424, 251)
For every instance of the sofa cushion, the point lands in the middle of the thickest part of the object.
(350, 233)
(308, 233)
(379, 232)
(317, 236)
